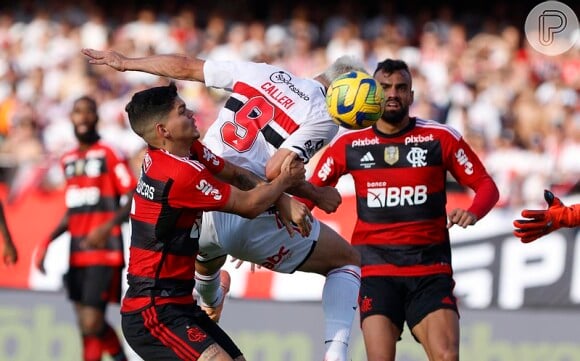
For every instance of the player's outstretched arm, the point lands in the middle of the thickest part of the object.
(176, 66)
(538, 223)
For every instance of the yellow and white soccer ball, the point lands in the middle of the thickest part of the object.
(355, 100)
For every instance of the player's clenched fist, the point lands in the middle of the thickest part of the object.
(538, 223)
(293, 171)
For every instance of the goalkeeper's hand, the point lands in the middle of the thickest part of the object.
(541, 222)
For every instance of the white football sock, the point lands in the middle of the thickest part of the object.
(208, 288)
(339, 302)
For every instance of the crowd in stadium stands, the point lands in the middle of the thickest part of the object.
(519, 109)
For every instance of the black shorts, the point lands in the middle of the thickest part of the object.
(406, 298)
(174, 332)
(94, 286)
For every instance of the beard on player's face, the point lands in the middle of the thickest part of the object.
(88, 137)
(395, 116)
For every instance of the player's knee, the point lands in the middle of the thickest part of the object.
(347, 255)
(342, 253)
(210, 267)
(446, 354)
(91, 326)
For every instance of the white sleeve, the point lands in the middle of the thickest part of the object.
(224, 74)
(219, 74)
(310, 138)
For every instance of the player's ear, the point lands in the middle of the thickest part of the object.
(161, 130)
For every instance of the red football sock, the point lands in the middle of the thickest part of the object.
(92, 348)
(112, 345)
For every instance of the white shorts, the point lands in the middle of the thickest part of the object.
(262, 240)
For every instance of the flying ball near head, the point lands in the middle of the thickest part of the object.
(355, 100)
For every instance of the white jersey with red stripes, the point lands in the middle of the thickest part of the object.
(269, 108)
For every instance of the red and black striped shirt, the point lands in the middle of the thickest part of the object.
(400, 182)
(165, 221)
(96, 179)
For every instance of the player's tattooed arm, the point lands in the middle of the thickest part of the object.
(239, 177)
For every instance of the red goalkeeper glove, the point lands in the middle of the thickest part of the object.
(542, 222)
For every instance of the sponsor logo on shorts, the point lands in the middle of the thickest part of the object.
(366, 304)
(447, 301)
(274, 260)
(195, 334)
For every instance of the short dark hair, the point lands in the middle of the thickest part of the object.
(390, 66)
(149, 105)
(88, 99)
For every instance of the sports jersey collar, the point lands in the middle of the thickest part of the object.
(192, 156)
(411, 125)
(322, 88)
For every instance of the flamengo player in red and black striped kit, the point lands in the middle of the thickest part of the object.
(399, 168)
(160, 318)
(97, 178)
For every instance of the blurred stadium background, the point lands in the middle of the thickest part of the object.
(472, 68)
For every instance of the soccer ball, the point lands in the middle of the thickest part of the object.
(355, 100)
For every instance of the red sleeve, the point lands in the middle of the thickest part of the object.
(330, 167)
(212, 161)
(196, 187)
(469, 171)
(486, 196)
